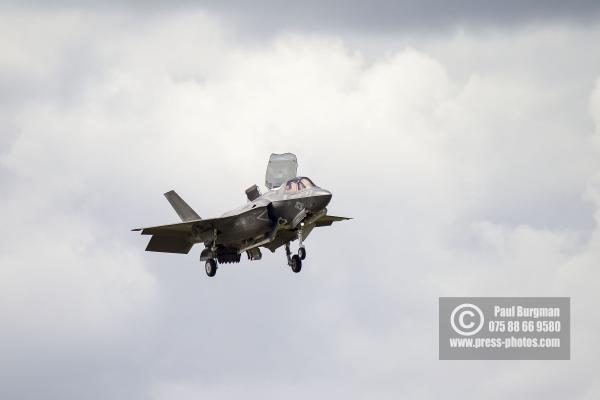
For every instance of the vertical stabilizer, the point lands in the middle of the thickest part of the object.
(182, 209)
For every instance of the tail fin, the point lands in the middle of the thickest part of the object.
(184, 211)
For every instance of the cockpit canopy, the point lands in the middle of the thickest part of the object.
(298, 183)
(281, 167)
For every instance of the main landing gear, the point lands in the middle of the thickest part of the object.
(211, 267)
(211, 264)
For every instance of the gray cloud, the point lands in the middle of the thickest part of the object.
(386, 16)
(373, 16)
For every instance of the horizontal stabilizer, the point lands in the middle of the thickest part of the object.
(170, 244)
(182, 209)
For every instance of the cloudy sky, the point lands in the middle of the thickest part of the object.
(464, 138)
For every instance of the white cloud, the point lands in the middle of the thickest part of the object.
(464, 178)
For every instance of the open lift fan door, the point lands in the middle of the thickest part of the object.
(281, 168)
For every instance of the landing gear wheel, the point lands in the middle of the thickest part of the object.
(296, 263)
(210, 267)
(302, 253)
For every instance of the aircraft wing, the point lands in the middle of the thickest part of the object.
(285, 236)
(327, 220)
(176, 238)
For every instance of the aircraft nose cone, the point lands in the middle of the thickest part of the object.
(322, 198)
(326, 196)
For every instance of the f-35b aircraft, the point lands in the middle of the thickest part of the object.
(288, 211)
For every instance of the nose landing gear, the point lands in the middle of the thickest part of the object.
(295, 261)
(302, 253)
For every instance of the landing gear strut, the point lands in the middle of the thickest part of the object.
(301, 249)
(210, 267)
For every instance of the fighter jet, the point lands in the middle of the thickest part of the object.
(288, 211)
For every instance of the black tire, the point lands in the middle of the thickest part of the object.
(296, 263)
(210, 267)
(302, 253)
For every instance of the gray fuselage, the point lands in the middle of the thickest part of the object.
(279, 207)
